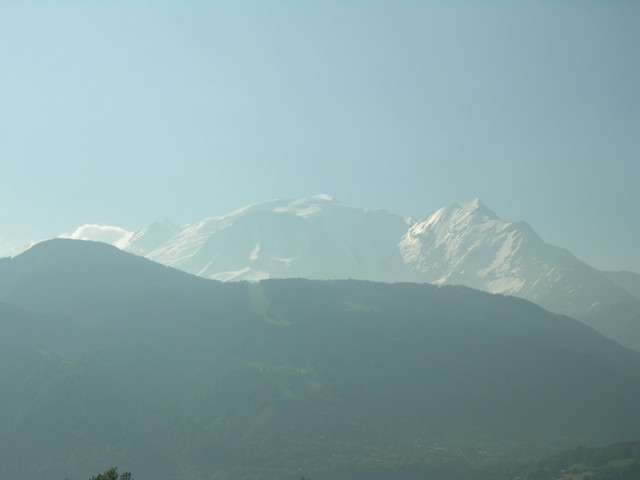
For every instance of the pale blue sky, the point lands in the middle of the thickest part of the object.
(126, 112)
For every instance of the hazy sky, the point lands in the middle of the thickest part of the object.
(125, 112)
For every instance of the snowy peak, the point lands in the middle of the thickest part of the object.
(461, 243)
(314, 237)
(318, 237)
(456, 226)
(303, 206)
(474, 206)
(468, 244)
(458, 216)
(477, 208)
(144, 241)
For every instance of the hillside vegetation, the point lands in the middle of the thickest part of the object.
(110, 359)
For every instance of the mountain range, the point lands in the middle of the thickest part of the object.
(462, 244)
(110, 359)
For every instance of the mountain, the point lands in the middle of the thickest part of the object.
(620, 461)
(62, 410)
(144, 241)
(112, 359)
(462, 244)
(82, 279)
(468, 244)
(620, 321)
(315, 237)
(627, 280)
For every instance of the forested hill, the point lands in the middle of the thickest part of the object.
(110, 359)
(620, 461)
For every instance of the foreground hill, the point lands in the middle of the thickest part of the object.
(620, 461)
(111, 359)
(461, 244)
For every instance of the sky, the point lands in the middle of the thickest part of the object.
(126, 112)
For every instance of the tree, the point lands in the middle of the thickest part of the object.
(112, 474)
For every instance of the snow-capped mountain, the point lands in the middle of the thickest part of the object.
(317, 237)
(314, 237)
(467, 244)
(144, 241)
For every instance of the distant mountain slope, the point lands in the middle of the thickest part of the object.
(627, 280)
(462, 244)
(468, 244)
(173, 376)
(312, 238)
(150, 238)
(620, 321)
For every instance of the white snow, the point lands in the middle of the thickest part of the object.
(253, 256)
(317, 237)
(116, 236)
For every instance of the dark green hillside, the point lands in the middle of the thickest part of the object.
(89, 280)
(620, 461)
(61, 410)
(171, 376)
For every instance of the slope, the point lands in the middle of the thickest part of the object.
(465, 244)
(313, 237)
(90, 280)
(468, 244)
(193, 378)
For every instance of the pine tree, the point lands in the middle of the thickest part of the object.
(112, 474)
